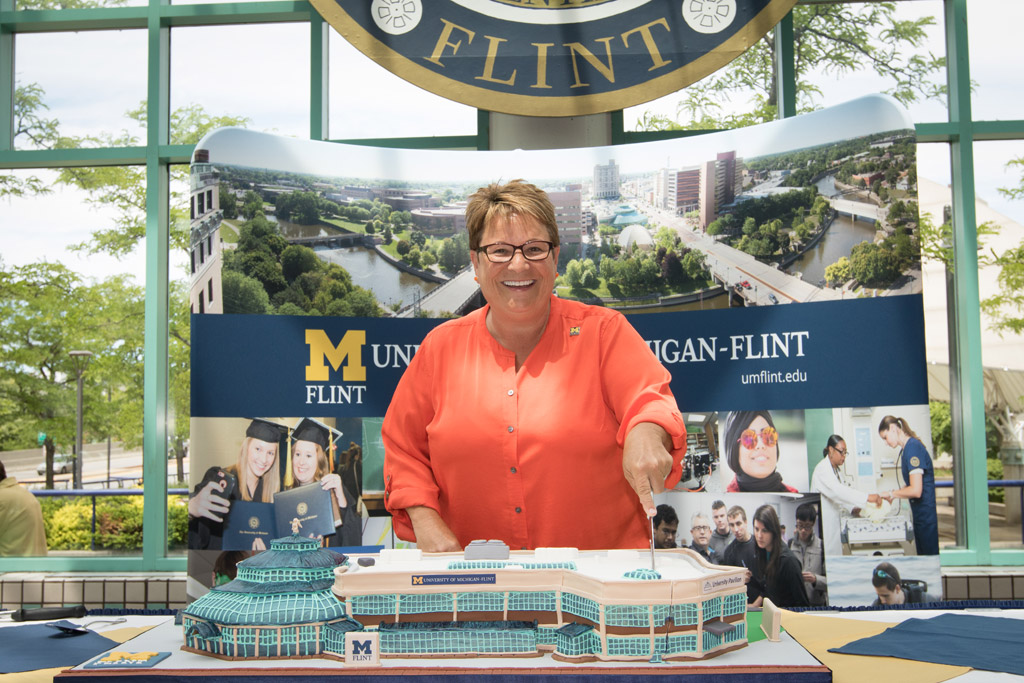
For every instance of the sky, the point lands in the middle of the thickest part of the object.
(271, 87)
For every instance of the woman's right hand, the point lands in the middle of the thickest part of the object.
(207, 504)
(432, 533)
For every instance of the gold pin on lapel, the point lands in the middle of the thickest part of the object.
(574, 331)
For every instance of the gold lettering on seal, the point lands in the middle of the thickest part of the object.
(444, 40)
(608, 71)
(652, 47)
(492, 53)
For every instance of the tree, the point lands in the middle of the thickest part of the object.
(839, 272)
(573, 274)
(835, 38)
(418, 238)
(243, 294)
(46, 310)
(873, 265)
(403, 247)
(228, 202)
(296, 260)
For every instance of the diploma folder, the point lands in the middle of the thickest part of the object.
(246, 521)
(310, 505)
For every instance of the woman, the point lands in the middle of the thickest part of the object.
(836, 494)
(781, 573)
(254, 477)
(919, 475)
(531, 412)
(311, 441)
(751, 445)
(891, 590)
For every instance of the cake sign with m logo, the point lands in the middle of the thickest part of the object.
(361, 649)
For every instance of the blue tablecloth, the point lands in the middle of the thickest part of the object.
(29, 647)
(980, 642)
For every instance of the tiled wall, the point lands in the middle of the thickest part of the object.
(95, 591)
(997, 585)
(167, 590)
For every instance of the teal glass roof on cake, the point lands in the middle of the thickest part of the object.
(643, 574)
(287, 584)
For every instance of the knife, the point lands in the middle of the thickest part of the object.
(652, 543)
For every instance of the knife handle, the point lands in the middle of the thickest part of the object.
(49, 613)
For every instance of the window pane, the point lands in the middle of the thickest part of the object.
(992, 29)
(179, 338)
(368, 101)
(1000, 352)
(259, 71)
(73, 301)
(61, 75)
(75, 4)
(1001, 348)
(737, 94)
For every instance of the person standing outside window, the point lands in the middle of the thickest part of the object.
(22, 532)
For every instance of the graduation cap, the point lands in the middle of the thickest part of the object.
(265, 430)
(309, 429)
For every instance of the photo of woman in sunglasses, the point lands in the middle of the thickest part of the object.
(750, 443)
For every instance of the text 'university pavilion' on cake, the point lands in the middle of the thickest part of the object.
(299, 600)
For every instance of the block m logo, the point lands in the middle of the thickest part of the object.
(350, 348)
(362, 647)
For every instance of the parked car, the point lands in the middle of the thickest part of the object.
(772, 298)
(62, 464)
(745, 284)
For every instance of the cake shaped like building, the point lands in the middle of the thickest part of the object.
(578, 605)
(300, 600)
(279, 606)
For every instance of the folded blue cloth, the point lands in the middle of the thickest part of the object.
(980, 642)
(42, 646)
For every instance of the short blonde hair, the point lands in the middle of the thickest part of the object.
(503, 201)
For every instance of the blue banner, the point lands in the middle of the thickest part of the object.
(815, 355)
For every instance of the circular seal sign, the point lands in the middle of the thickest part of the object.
(552, 57)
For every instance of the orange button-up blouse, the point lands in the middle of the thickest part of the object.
(534, 457)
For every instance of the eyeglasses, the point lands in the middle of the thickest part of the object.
(804, 526)
(842, 452)
(701, 528)
(748, 438)
(534, 250)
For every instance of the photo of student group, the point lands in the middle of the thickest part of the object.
(788, 569)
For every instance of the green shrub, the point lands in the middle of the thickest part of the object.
(177, 522)
(995, 471)
(68, 523)
(69, 527)
(119, 523)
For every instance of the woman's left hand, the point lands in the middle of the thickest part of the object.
(646, 462)
(333, 482)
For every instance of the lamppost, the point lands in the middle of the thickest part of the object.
(79, 362)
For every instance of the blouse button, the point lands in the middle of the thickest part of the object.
(519, 509)
(511, 429)
(513, 470)
(511, 391)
